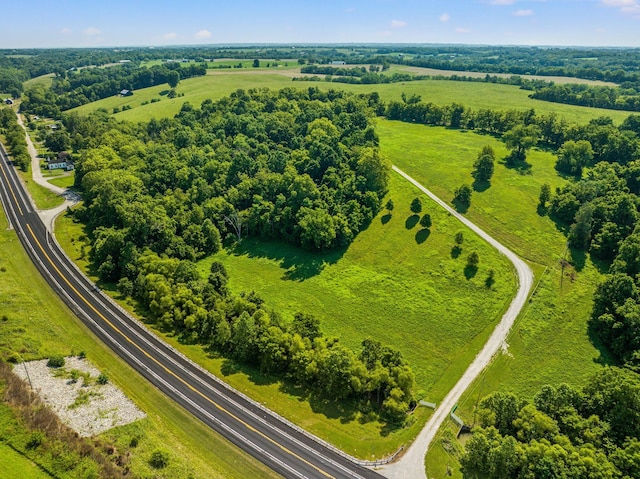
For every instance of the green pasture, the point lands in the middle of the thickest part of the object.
(549, 343)
(35, 324)
(219, 83)
(396, 282)
(44, 80)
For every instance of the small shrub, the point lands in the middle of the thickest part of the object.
(3, 269)
(5, 318)
(82, 355)
(425, 221)
(102, 379)
(459, 238)
(473, 259)
(55, 362)
(135, 440)
(13, 358)
(390, 205)
(35, 440)
(159, 459)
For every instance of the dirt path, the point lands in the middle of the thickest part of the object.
(411, 465)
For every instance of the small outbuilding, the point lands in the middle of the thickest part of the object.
(126, 93)
(9, 101)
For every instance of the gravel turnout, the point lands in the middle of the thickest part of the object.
(74, 394)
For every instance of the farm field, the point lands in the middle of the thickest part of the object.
(44, 80)
(549, 343)
(217, 84)
(38, 325)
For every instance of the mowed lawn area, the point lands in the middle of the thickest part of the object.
(549, 343)
(219, 83)
(36, 325)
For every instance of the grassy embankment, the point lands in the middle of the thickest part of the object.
(38, 325)
(219, 83)
(549, 344)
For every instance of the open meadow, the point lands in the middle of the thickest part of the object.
(35, 324)
(219, 83)
(549, 343)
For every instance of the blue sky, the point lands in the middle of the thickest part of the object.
(88, 23)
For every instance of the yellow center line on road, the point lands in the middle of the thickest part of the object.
(168, 371)
(11, 189)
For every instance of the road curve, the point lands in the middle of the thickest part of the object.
(411, 464)
(286, 449)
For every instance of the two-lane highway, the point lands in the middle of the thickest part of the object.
(278, 444)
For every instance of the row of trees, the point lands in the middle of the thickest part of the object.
(614, 98)
(590, 433)
(14, 138)
(375, 378)
(72, 89)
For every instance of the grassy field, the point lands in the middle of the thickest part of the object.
(219, 83)
(549, 343)
(44, 80)
(18, 465)
(396, 282)
(38, 325)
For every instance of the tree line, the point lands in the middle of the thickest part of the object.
(613, 98)
(72, 89)
(14, 138)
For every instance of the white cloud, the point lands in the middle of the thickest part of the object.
(202, 34)
(65, 31)
(398, 24)
(502, 2)
(170, 36)
(523, 13)
(630, 7)
(91, 31)
(463, 30)
(444, 18)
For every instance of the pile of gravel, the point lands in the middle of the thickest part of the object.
(85, 406)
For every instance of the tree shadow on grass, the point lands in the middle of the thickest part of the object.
(513, 161)
(385, 218)
(422, 235)
(480, 186)
(470, 271)
(411, 221)
(298, 264)
(578, 258)
(460, 206)
(456, 251)
(605, 357)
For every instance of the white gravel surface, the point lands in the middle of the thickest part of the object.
(107, 406)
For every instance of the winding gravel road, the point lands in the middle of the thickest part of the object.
(411, 465)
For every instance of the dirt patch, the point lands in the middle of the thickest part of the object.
(73, 392)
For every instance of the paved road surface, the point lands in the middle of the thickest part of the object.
(278, 444)
(411, 464)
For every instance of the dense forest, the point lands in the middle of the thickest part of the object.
(297, 166)
(590, 433)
